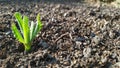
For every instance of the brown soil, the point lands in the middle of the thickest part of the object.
(75, 35)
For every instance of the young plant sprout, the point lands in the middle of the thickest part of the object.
(28, 31)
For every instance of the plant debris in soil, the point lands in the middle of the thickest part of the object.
(73, 36)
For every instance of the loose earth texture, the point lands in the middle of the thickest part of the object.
(75, 35)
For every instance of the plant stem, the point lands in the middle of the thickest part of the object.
(27, 47)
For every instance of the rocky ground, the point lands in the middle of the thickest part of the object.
(75, 35)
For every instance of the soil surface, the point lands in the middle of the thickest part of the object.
(75, 35)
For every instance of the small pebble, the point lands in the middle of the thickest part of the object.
(114, 55)
(103, 60)
(7, 33)
(96, 40)
(87, 52)
(111, 34)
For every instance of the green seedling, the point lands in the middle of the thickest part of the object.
(28, 31)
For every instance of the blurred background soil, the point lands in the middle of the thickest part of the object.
(76, 34)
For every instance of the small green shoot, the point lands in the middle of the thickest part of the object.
(28, 31)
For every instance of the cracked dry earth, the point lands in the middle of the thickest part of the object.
(73, 36)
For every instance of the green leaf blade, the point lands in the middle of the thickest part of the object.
(26, 29)
(38, 26)
(32, 28)
(18, 17)
(17, 33)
